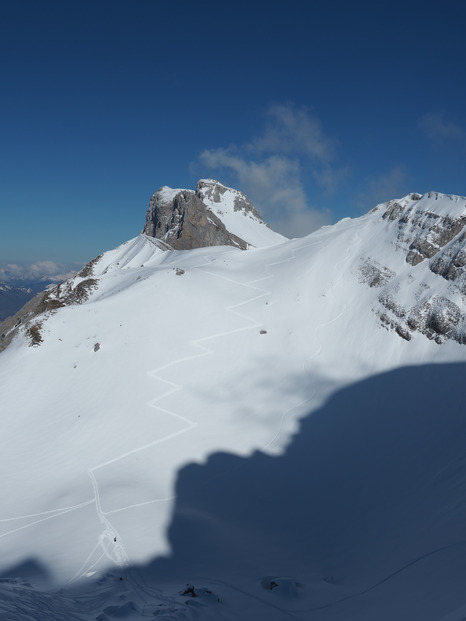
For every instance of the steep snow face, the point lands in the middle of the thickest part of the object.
(213, 215)
(174, 357)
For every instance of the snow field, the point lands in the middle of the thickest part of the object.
(95, 440)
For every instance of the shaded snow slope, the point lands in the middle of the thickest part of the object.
(177, 356)
(362, 517)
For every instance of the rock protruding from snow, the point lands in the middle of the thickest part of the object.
(427, 223)
(213, 215)
(432, 227)
(135, 253)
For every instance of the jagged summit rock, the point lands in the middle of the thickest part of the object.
(212, 215)
(212, 191)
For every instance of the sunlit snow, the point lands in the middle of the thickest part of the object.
(205, 361)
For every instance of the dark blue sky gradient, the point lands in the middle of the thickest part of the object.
(104, 101)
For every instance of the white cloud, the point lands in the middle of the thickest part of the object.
(439, 130)
(272, 167)
(294, 130)
(46, 271)
(268, 178)
(274, 184)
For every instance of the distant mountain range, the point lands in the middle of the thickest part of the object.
(15, 294)
(214, 422)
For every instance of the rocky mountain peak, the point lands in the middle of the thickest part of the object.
(210, 190)
(212, 215)
(180, 219)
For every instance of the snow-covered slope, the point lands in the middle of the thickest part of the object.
(255, 424)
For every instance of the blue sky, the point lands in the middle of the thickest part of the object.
(316, 110)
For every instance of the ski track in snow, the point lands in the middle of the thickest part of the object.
(109, 540)
(259, 292)
(55, 513)
(109, 531)
(117, 553)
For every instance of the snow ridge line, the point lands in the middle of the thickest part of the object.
(319, 349)
(56, 513)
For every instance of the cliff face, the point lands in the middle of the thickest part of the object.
(429, 232)
(184, 222)
(212, 215)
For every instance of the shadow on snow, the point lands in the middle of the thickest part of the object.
(363, 517)
(367, 507)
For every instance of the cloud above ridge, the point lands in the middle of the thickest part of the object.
(40, 271)
(273, 167)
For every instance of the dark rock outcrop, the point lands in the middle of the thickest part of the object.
(10, 326)
(374, 274)
(450, 263)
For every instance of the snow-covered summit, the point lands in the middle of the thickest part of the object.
(212, 215)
